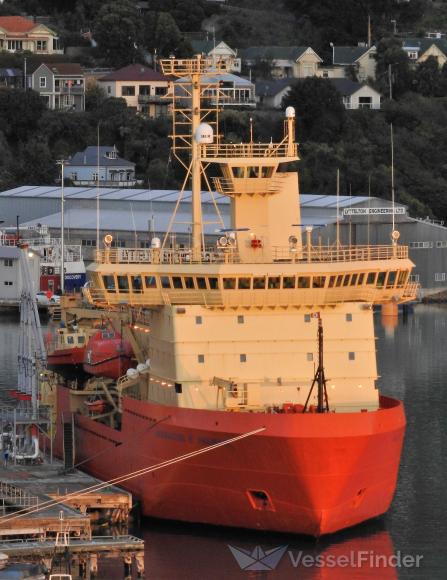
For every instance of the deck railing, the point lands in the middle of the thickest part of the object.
(232, 256)
(264, 150)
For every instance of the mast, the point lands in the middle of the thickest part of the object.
(196, 187)
(319, 378)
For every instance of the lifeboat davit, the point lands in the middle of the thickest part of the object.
(107, 354)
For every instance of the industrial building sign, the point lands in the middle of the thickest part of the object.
(374, 210)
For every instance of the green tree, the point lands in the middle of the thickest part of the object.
(428, 78)
(390, 54)
(20, 112)
(118, 32)
(319, 109)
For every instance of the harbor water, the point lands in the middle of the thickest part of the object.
(409, 542)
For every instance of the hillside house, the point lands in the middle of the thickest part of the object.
(109, 170)
(61, 85)
(18, 34)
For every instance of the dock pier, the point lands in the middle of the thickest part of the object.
(46, 517)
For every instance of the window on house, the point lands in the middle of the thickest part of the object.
(8, 263)
(365, 103)
(440, 277)
(15, 45)
(74, 176)
(42, 82)
(109, 90)
(412, 54)
(95, 176)
(160, 91)
(127, 91)
(144, 90)
(41, 45)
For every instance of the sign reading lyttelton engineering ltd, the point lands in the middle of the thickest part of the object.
(374, 210)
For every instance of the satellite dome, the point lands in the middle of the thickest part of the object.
(204, 133)
(290, 112)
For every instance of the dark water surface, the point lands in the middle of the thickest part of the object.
(413, 367)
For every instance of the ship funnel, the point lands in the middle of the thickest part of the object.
(290, 112)
(204, 134)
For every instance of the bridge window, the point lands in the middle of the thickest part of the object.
(259, 283)
(274, 282)
(402, 278)
(243, 283)
(288, 282)
(150, 281)
(339, 280)
(303, 282)
(318, 281)
(177, 282)
(354, 279)
(229, 283)
(201, 283)
(109, 283)
(346, 279)
(391, 280)
(332, 281)
(123, 283)
(165, 282)
(252, 171)
(189, 282)
(381, 279)
(137, 285)
(360, 279)
(266, 172)
(371, 279)
(213, 283)
(238, 171)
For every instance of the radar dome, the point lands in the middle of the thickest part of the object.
(290, 112)
(155, 243)
(204, 133)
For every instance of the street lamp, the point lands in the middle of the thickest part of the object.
(61, 162)
(394, 23)
(333, 51)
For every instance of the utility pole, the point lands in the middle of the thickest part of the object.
(390, 82)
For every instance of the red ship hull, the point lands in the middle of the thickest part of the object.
(319, 473)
